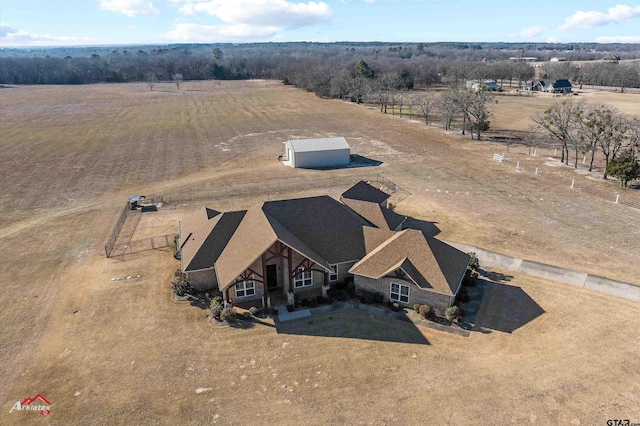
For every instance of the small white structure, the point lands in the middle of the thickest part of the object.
(316, 153)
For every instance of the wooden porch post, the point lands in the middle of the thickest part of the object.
(289, 268)
(265, 286)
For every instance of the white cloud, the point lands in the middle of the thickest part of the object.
(553, 39)
(531, 31)
(280, 13)
(245, 20)
(369, 1)
(10, 36)
(195, 33)
(618, 39)
(129, 8)
(618, 13)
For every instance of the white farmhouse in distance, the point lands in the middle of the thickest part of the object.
(316, 153)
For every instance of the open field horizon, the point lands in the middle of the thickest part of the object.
(71, 156)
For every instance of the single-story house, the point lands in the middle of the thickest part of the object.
(558, 59)
(550, 86)
(301, 247)
(477, 85)
(316, 153)
(611, 58)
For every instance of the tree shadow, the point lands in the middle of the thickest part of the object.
(429, 228)
(498, 276)
(355, 324)
(505, 308)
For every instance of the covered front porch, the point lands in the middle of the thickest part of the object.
(277, 277)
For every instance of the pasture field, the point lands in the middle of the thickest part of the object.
(123, 353)
(513, 112)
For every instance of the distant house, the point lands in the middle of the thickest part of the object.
(558, 59)
(316, 153)
(280, 250)
(477, 85)
(611, 58)
(523, 59)
(550, 86)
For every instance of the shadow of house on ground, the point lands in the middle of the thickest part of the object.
(429, 228)
(354, 324)
(506, 308)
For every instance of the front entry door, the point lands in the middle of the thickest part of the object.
(272, 277)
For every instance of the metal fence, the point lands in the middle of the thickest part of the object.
(137, 246)
(108, 247)
(272, 190)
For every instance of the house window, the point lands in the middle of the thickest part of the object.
(303, 278)
(399, 293)
(333, 276)
(245, 288)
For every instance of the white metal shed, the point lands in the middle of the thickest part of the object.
(316, 153)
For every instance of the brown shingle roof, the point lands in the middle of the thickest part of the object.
(364, 192)
(324, 224)
(204, 235)
(430, 263)
(376, 214)
(373, 237)
(253, 237)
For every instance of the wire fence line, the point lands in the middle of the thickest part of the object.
(115, 232)
(619, 195)
(145, 244)
(268, 191)
(278, 189)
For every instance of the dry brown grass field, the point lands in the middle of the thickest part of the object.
(122, 352)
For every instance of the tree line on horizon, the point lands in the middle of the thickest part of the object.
(321, 68)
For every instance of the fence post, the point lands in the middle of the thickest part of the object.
(573, 181)
(617, 198)
(536, 170)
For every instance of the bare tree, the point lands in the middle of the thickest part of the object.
(411, 100)
(463, 99)
(386, 85)
(177, 79)
(478, 110)
(401, 100)
(561, 122)
(603, 128)
(152, 80)
(447, 107)
(427, 103)
(633, 138)
(341, 84)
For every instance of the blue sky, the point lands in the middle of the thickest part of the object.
(88, 22)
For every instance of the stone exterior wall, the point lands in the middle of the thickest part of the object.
(257, 296)
(416, 294)
(343, 271)
(204, 279)
(282, 271)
